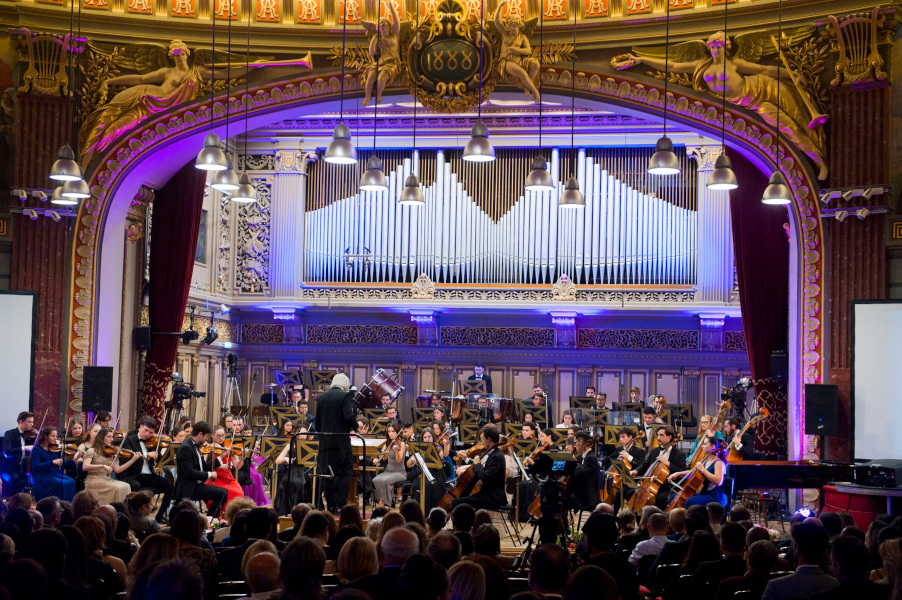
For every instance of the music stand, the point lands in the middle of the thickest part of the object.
(581, 401)
(525, 447)
(469, 433)
(322, 378)
(168, 459)
(374, 414)
(595, 418)
(422, 415)
(431, 459)
(629, 406)
(626, 481)
(558, 436)
(377, 426)
(512, 430)
(469, 415)
(539, 414)
(472, 387)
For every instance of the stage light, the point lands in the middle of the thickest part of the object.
(55, 216)
(211, 336)
(31, 214)
(21, 194)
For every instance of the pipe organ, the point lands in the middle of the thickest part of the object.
(479, 225)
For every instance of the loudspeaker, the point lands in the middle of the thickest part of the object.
(821, 409)
(779, 366)
(142, 338)
(98, 389)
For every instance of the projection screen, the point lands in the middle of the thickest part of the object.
(18, 317)
(876, 375)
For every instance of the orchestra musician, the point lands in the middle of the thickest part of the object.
(601, 401)
(746, 444)
(635, 395)
(648, 423)
(336, 413)
(100, 463)
(539, 397)
(17, 442)
(479, 374)
(567, 419)
(628, 451)
(705, 423)
(104, 418)
(583, 485)
(292, 478)
(712, 467)
(665, 453)
(386, 400)
(391, 414)
(395, 449)
(141, 475)
(491, 472)
(527, 431)
(590, 391)
(47, 467)
(194, 472)
(226, 466)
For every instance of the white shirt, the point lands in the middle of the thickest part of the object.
(145, 466)
(649, 546)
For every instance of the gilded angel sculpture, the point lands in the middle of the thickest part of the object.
(385, 47)
(157, 87)
(516, 62)
(747, 83)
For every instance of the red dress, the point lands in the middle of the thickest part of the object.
(226, 479)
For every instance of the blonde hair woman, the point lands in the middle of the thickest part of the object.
(357, 558)
(467, 581)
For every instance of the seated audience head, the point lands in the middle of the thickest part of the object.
(258, 547)
(423, 579)
(47, 547)
(350, 517)
(187, 527)
(762, 556)
(93, 529)
(301, 570)
(677, 520)
(51, 510)
(356, 559)
(157, 547)
(437, 520)
(261, 572)
(467, 581)
(591, 583)
(259, 523)
(7, 549)
(627, 521)
(298, 512)
(22, 519)
(648, 511)
(316, 526)
(398, 545)
(657, 524)
(444, 548)
(697, 520)
(602, 532)
(604, 508)
(175, 579)
(732, 539)
(487, 540)
(22, 500)
(373, 529)
(715, 513)
(832, 523)
(704, 547)
(549, 568)
(25, 579)
(809, 542)
(482, 517)
(462, 518)
(739, 513)
(850, 558)
(236, 504)
(853, 531)
(412, 512)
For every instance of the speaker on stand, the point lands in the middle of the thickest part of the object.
(97, 386)
(821, 412)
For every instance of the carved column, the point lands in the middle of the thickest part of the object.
(714, 257)
(289, 199)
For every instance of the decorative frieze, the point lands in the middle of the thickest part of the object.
(536, 337)
(639, 339)
(734, 341)
(252, 272)
(511, 295)
(362, 334)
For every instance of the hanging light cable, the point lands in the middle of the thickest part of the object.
(65, 168)
(373, 179)
(539, 179)
(226, 181)
(246, 192)
(479, 148)
(412, 195)
(723, 177)
(341, 150)
(777, 192)
(211, 157)
(571, 196)
(664, 161)
(74, 190)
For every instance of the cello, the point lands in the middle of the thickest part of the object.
(694, 481)
(654, 478)
(467, 483)
(614, 476)
(716, 425)
(733, 454)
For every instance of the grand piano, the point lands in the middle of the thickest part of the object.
(777, 474)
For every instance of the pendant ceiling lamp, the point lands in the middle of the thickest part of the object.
(65, 168)
(777, 192)
(479, 148)
(664, 161)
(723, 177)
(571, 197)
(412, 195)
(341, 150)
(539, 179)
(373, 179)
(226, 181)
(246, 192)
(211, 157)
(60, 200)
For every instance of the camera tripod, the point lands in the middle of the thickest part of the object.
(231, 392)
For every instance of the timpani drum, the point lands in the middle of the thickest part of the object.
(380, 384)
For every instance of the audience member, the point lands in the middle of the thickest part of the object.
(762, 556)
(487, 542)
(809, 545)
(849, 559)
(298, 512)
(358, 558)
(444, 548)
(422, 579)
(412, 512)
(301, 570)
(657, 531)
(175, 579)
(261, 574)
(398, 546)
(258, 547)
(156, 547)
(600, 532)
(733, 564)
(436, 521)
(467, 581)
(549, 569)
(591, 583)
(462, 518)
(715, 516)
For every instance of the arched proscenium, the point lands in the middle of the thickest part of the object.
(745, 130)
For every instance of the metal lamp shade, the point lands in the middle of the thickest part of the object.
(479, 148)
(211, 157)
(776, 192)
(341, 151)
(664, 161)
(412, 195)
(225, 181)
(539, 179)
(246, 192)
(76, 190)
(60, 200)
(722, 177)
(373, 179)
(572, 197)
(65, 168)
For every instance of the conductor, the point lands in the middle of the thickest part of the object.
(336, 413)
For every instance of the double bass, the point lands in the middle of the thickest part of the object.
(655, 477)
(733, 455)
(614, 476)
(716, 425)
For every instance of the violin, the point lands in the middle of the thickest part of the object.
(214, 449)
(121, 453)
(161, 441)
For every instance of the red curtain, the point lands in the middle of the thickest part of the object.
(762, 264)
(173, 242)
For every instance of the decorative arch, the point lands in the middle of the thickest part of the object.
(112, 180)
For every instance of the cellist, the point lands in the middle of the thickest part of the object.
(712, 467)
(667, 454)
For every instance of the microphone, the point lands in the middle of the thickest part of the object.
(255, 376)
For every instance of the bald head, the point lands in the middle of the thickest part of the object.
(604, 508)
(107, 510)
(398, 545)
(262, 573)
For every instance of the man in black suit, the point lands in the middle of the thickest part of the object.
(601, 533)
(733, 564)
(666, 453)
(16, 443)
(583, 489)
(336, 413)
(746, 444)
(141, 475)
(479, 374)
(194, 472)
(491, 473)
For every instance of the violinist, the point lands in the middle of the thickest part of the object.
(583, 485)
(225, 465)
(101, 461)
(141, 475)
(394, 472)
(76, 429)
(712, 467)
(441, 438)
(527, 431)
(287, 428)
(667, 454)
(47, 468)
(194, 472)
(17, 442)
(491, 472)
(103, 418)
